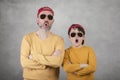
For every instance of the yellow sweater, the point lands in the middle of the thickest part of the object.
(42, 66)
(76, 56)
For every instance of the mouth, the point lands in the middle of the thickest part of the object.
(76, 40)
(46, 24)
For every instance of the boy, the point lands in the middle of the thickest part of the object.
(79, 61)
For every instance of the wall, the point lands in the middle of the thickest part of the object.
(100, 18)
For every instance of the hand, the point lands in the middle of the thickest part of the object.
(30, 56)
(69, 62)
(57, 53)
(83, 65)
(74, 73)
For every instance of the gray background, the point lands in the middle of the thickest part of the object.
(101, 19)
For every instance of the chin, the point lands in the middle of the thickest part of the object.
(76, 45)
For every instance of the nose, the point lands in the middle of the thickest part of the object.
(46, 18)
(76, 35)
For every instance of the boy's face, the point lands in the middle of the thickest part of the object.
(76, 37)
(45, 20)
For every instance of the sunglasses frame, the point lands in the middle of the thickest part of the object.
(43, 16)
(79, 34)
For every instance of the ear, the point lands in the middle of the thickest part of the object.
(37, 20)
(69, 37)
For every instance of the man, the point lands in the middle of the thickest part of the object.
(42, 51)
(80, 60)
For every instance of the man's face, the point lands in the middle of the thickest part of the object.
(45, 20)
(76, 37)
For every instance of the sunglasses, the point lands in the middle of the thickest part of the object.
(43, 16)
(73, 34)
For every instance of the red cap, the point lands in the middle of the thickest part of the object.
(76, 26)
(45, 9)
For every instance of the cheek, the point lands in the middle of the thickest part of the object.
(81, 39)
(72, 40)
(51, 22)
(39, 20)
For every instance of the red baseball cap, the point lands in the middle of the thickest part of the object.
(76, 26)
(45, 9)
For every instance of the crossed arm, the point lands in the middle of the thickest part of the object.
(80, 69)
(36, 60)
(24, 56)
(54, 60)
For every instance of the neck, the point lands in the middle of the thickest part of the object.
(77, 46)
(43, 34)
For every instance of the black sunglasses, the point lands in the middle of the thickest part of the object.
(43, 16)
(74, 34)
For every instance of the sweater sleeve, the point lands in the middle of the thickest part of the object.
(25, 51)
(91, 64)
(67, 65)
(53, 61)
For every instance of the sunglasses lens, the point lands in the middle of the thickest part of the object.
(80, 34)
(42, 16)
(73, 34)
(50, 17)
